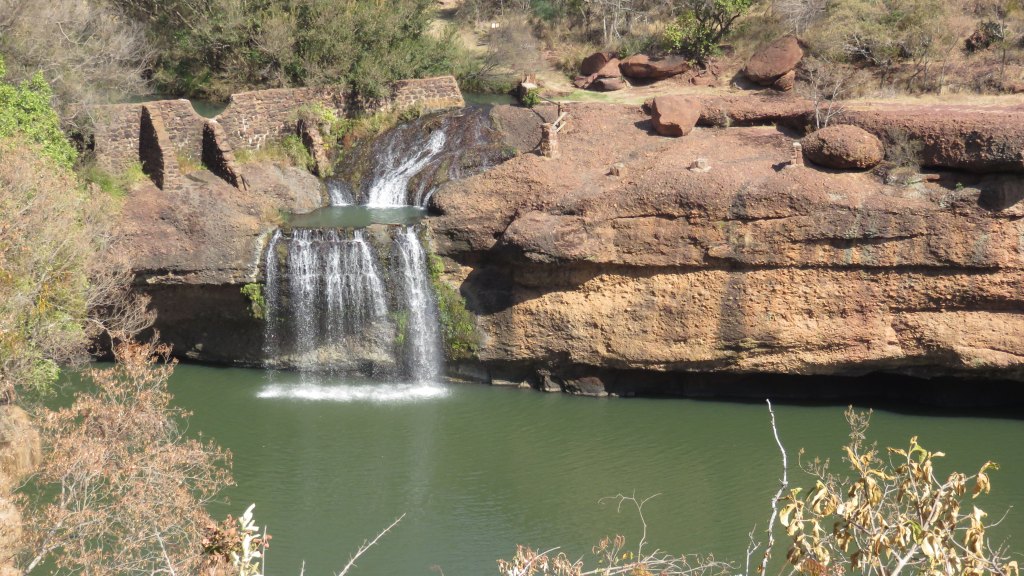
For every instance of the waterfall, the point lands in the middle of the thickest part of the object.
(422, 331)
(329, 307)
(398, 165)
(339, 193)
(334, 292)
(271, 299)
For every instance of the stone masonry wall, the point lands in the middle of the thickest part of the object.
(430, 94)
(253, 118)
(250, 120)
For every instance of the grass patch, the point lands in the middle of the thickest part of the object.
(188, 163)
(288, 150)
(118, 184)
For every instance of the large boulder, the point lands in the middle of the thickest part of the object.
(844, 147)
(608, 84)
(610, 70)
(643, 67)
(595, 62)
(674, 115)
(772, 61)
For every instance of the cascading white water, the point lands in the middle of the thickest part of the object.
(390, 185)
(422, 335)
(329, 309)
(339, 193)
(334, 291)
(271, 299)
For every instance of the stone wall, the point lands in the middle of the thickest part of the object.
(250, 120)
(429, 94)
(253, 118)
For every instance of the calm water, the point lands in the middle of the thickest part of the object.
(356, 217)
(478, 469)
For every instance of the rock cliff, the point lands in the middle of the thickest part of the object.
(750, 267)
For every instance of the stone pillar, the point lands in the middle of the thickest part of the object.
(156, 152)
(549, 141)
(218, 156)
(798, 155)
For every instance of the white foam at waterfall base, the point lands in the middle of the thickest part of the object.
(394, 393)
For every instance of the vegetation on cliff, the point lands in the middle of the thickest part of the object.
(58, 288)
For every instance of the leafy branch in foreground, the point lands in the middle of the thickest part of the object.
(893, 515)
(612, 557)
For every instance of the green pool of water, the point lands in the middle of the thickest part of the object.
(478, 469)
(356, 217)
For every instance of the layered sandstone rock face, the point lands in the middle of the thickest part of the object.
(750, 267)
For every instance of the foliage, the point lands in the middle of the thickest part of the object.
(288, 150)
(530, 98)
(61, 285)
(236, 543)
(458, 325)
(212, 48)
(121, 490)
(702, 25)
(884, 33)
(892, 513)
(89, 51)
(116, 185)
(612, 557)
(257, 303)
(25, 111)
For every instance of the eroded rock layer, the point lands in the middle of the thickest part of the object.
(749, 267)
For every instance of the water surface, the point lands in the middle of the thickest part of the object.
(356, 217)
(478, 469)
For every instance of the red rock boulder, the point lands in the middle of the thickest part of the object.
(844, 147)
(772, 61)
(674, 115)
(607, 84)
(643, 67)
(610, 70)
(595, 62)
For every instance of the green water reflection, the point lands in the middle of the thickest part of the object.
(479, 469)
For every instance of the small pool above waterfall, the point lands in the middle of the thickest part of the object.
(357, 217)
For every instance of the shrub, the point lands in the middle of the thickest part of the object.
(257, 303)
(115, 185)
(702, 25)
(121, 494)
(458, 325)
(25, 111)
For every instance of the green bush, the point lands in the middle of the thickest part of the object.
(115, 185)
(702, 25)
(25, 111)
(531, 98)
(257, 303)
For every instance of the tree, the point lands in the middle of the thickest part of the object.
(87, 50)
(121, 490)
(703, 24)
